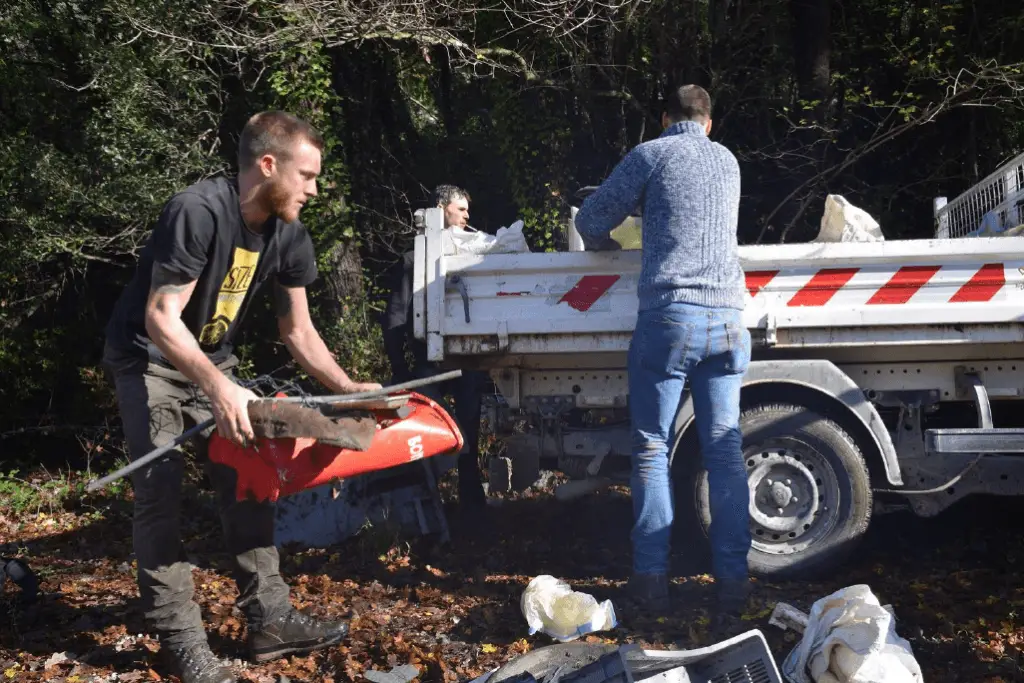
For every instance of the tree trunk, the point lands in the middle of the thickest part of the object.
(343, 278)
(445, 91)
(812, 47)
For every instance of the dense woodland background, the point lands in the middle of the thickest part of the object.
(107, 107)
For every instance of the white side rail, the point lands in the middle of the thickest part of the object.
(900, 292)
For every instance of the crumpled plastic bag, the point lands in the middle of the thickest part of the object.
(552, 607)
(844, 222)
(629, 233)
(851, 638)
(459, 241)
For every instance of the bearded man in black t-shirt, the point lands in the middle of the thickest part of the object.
(169, 345)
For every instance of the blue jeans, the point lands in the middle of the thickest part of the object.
(710, 347)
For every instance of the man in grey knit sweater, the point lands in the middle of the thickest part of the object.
(689, 327)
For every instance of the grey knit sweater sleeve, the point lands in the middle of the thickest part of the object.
(688, 188)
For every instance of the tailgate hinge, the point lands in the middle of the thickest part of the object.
(771, 337)
(502, 336)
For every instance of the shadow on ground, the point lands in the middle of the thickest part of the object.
(946, 578)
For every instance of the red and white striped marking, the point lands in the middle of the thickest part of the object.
(845, 286)
(922, 284)
(588, 290)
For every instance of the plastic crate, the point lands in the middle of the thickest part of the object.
(742, 659)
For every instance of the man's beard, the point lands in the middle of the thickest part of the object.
(279, 204)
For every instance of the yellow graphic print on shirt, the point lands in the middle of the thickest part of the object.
(232, 294)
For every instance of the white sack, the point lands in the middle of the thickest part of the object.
(851, 638)
(459, 241)
(844, 222)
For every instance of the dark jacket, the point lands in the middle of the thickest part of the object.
(396, 322)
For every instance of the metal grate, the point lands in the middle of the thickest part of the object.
(755, 672)
(741, 659)
(994, 206)
(746, 660)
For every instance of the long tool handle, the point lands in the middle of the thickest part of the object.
(340, 399)
(97, 484)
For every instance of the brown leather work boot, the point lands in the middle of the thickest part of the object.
(731, 603)
(648, 593)
(294, 632)
(195, 663)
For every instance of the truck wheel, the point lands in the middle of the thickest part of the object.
(810, 492)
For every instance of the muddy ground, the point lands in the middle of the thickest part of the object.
(453, 611)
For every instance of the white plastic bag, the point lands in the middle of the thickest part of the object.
(510, 240)
(457, 241)
(844, 222)
(851, 638)
(552, 607)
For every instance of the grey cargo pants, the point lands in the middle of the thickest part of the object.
(156, 406)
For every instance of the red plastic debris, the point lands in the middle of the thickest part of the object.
(271, 468)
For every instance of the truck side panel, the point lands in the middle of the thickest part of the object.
(800, 295)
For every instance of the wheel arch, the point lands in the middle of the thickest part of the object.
(816, 384)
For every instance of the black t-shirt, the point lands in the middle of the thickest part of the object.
(200, 235)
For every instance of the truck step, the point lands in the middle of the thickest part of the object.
(976, 440)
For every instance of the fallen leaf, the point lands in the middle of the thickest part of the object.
(56, 659)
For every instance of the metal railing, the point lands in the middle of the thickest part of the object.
(994, 206)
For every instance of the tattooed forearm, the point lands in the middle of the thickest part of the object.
(282, 301)
(166, 281)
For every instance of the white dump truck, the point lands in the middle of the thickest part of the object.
(885, 374)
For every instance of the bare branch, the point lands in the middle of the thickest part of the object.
(988, 84)
(37, 302)
(262, 28)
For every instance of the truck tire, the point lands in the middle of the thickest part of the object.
(810, 491)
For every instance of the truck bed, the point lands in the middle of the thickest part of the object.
(925, 294)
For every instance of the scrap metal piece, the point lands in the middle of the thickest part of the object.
(277, 420)
(787, 617)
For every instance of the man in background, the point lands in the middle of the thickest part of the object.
(689, 327)
(466, 390)
(455, 202)
(169, 349)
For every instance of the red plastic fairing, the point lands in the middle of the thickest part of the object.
(270, 468)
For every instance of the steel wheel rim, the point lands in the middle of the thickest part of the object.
(794, 496)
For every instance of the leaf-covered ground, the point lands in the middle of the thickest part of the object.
(453, 612)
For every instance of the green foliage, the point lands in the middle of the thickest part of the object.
(534, 144)
(106, 109)
(355, 338)
(301, 82)
(97, 131)
(18, 497)
(46, 494)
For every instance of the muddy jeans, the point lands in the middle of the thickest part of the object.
(156, 406)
